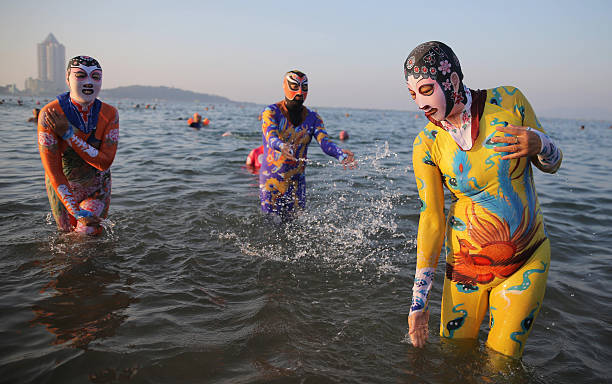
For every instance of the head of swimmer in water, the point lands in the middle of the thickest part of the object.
(434, 78)
(295, 85)
(84, 79)
(197, 118)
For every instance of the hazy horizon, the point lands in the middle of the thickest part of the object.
(557, 52)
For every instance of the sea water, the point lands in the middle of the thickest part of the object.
(191, 284)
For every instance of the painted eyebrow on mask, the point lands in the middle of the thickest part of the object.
(424, 78)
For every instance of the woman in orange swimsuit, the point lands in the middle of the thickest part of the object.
(77, 139)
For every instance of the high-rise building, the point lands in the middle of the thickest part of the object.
(51, 64)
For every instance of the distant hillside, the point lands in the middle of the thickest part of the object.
(162, 93)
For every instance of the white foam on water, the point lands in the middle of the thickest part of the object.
(108, 226)
(344, 228)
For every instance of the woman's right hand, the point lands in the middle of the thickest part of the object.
(287, 152)
(57, 122)
(418, 328)
(349, 160)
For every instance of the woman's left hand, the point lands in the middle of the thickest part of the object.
(349, 161)
(522, 143)
(56, 121)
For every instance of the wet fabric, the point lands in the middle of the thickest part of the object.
(282, 182)
(77, 172)
(494, 234)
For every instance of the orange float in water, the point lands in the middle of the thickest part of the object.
(205, 121)
(255, 158)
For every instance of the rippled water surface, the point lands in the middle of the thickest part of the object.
(191, 284)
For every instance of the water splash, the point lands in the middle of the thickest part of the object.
(349, 224)
(108, 226)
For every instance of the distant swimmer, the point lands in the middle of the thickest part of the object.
(34, 118)
(255, 158)
(288, 128)
(195, 121)
(77, 139)
(344, 135)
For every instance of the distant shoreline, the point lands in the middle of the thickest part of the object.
(143, 92)
(163, 93)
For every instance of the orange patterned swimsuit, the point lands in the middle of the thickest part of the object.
(77, 174)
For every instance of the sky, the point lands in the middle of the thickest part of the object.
(559, 53)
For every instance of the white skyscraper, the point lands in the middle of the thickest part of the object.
(52, 63)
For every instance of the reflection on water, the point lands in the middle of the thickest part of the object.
(472, 363)
(84, 300)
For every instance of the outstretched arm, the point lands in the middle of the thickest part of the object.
(429, 238)
(330, 148)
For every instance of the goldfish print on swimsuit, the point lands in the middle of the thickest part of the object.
(77, 174)
(282, 182)
(494, 233)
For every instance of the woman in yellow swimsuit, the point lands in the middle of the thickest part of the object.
(480, 144)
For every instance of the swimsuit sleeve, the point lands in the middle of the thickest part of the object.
(431, 222)
(550, 156)
(48, 146)
(269, 128)
(103, 157)
(326, 144)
